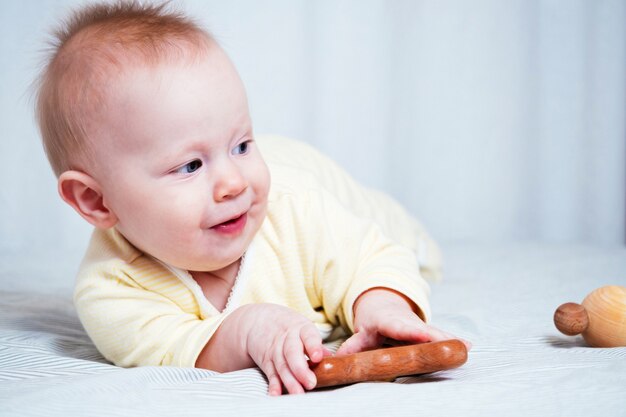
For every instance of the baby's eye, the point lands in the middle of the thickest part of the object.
(242, 148)
(190, 167)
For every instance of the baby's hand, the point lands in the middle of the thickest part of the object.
(277, 340)
(379, 314)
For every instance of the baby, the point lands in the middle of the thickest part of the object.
(213, 248)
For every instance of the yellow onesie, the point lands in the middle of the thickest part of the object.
(324, 241)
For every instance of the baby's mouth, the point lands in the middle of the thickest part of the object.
(233, 225)
(231, 221)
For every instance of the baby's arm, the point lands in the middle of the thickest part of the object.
(381, 313)
(271, 336)
(369, 283)
(132, 326)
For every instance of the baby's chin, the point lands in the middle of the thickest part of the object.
(213, 265)
(212, 254)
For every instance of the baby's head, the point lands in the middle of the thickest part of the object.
(145, 122)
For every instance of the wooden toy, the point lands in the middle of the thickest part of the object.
(389, 363)
(601, 318)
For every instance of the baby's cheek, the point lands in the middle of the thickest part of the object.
(263, 179)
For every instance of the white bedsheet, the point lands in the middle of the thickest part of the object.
(500, 298)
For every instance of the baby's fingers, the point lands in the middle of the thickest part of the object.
(286, 376)
(297, 363)
(414, 330)
(274, 385)
(312, 342)
(408, 330)
(358, 342)
(437, 335)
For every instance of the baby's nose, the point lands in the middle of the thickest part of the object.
(230, 183)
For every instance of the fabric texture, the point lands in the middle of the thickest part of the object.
(365, 202)
(315, 253)
(501, 298)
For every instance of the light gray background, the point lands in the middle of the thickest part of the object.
(492, 121)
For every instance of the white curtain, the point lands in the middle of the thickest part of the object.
(490, 120)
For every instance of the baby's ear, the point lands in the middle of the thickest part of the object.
(84, 194)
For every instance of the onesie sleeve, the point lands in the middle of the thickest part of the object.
(393, 220)
(132, 326)
(356, 256)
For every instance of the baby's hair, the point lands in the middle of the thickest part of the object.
(94, 44)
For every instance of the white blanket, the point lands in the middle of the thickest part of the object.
(500, 298)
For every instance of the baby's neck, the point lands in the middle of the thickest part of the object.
(217, 285)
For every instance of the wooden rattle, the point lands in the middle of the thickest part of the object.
(389, 363)
(601, 318)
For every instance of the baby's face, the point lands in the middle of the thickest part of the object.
(178, 165)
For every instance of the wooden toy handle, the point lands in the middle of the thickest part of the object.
(389, 363)
(571, 319)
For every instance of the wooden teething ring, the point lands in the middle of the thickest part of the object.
(389, 363)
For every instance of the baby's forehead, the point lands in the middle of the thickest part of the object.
(139, 90)
(106, 55)
(95, 66)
